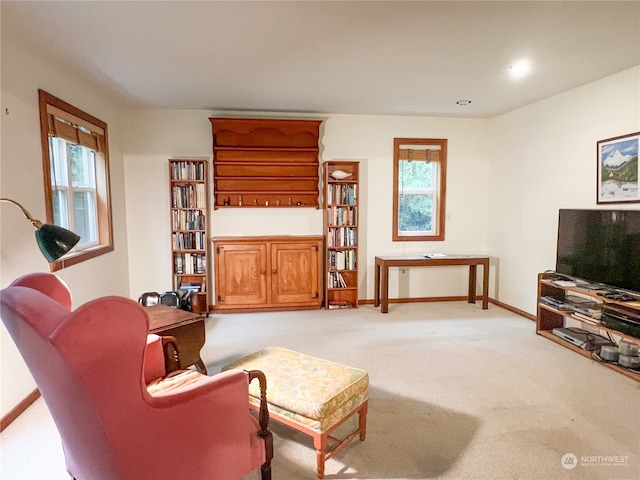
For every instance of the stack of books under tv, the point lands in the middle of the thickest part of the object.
(584, 308)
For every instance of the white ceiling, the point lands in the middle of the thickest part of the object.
(394, 57)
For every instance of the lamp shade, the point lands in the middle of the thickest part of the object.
(55, 241)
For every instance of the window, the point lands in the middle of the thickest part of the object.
(419, 186)
(76, 174)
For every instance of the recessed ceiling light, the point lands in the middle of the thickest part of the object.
(520, 69)
(463, 103)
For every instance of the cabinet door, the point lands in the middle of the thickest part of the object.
(295, 271)
(241, 275)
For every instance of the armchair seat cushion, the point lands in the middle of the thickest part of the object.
(177, 379)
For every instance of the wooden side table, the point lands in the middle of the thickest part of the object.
(381, 278)
(186, 327)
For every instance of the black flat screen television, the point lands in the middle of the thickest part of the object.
(600, 246)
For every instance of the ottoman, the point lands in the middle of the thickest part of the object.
(309, 394)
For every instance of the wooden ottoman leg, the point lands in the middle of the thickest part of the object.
(362, 420)
(320, 442)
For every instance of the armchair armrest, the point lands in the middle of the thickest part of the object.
(171, 353)
(263, 415)
(160, 357)
(153, 364)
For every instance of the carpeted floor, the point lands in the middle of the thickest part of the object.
(456, 392)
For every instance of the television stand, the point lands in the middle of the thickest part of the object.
(552, 313)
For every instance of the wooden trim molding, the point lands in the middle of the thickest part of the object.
(515, 310)
(19, 409)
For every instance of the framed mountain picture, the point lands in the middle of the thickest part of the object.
(618, 169)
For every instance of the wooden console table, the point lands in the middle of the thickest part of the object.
(186, 327)
(381, 281)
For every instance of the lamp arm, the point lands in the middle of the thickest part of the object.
(36, 223)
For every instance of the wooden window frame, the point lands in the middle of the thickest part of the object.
(441, 188)
(48, 103)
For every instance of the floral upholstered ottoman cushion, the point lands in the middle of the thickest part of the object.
(311, 391)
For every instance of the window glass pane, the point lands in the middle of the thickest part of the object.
(416, 175)
(415, 213)
(59, 198)
(82, 166)
(84, 214)
(416, 181)
(58, 163)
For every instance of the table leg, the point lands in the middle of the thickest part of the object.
(473, 272)
(200, 367)
(384, 289)
(376, 286)
(485, 285)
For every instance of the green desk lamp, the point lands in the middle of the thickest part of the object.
(54, 241)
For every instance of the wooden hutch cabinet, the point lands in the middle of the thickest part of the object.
(268, 273)
(262, 162)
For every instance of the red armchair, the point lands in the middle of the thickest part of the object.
(92, 367)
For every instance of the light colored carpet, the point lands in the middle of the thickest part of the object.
(456, 392)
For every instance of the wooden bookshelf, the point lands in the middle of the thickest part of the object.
(341, 231)
(189, 226)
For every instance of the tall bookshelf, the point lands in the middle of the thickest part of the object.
(189, 226)
(341, 230)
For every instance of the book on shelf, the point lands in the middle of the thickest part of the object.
(190, 263)
(554, 302)
(336, 280)
(339, 304)
(586, 318)
(195, 287)
(344, 194)
(187, 170)
(342, 259)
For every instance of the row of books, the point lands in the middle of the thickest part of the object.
(341, 260)
(188, 220)
(190, 263)
(342, 237)
(188, 196)
(187, 171)
(339, 193)
(341, 215)
(336, 280)
(189, 240)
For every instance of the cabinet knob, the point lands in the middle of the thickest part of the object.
(262, 272)
(274, 271)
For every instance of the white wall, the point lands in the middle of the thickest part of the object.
(154, 136)
(23, 73)
(544, 158)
